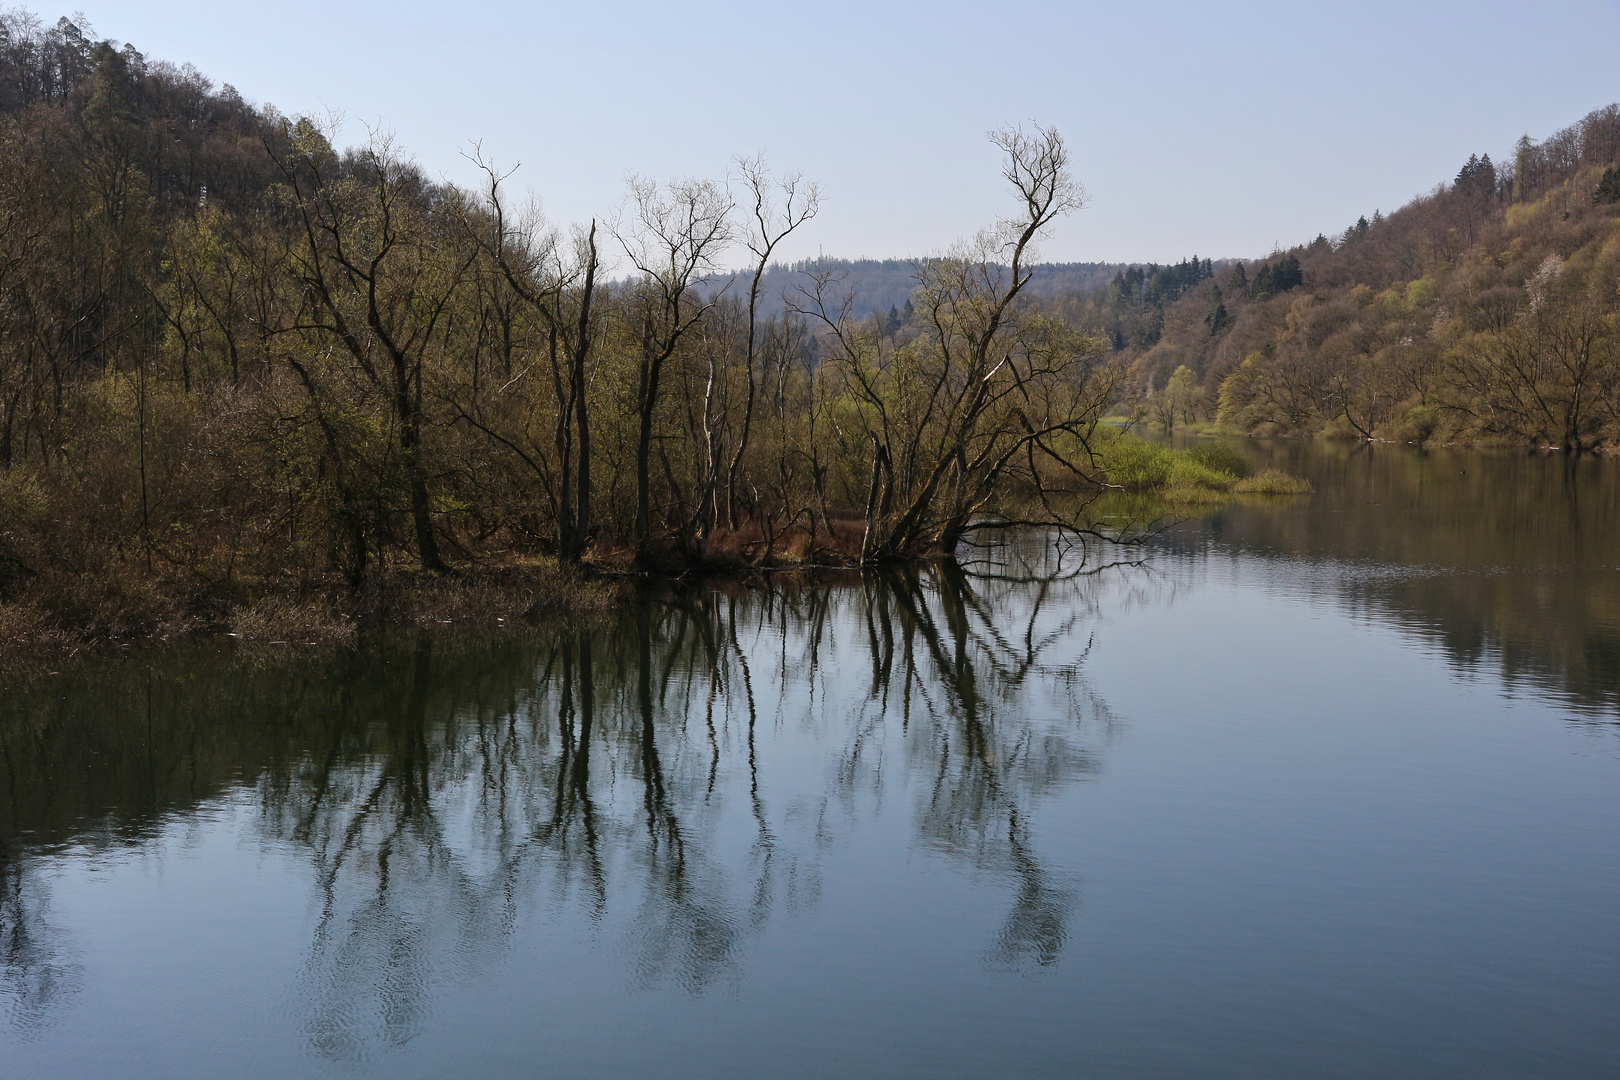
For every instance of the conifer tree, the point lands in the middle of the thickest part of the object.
(1608, 189)
(1217, 318)
(1240, 281)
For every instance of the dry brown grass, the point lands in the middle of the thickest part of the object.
(276, 619)
(88, 613)
(751, 547)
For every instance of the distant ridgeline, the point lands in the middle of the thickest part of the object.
(1135, 292)
(884, 286)
(1486, 310)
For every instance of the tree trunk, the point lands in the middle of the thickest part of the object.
(409, 407)
(582, 422)
(648, 395)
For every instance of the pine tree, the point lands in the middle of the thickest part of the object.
(1523, 153)
(1287, 275)
(1264, 284)
(1608, 189)
(1217, 318)
(1477, 176)
(1240, 281)
(1465, 175)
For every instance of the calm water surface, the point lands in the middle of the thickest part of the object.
(1325, 787)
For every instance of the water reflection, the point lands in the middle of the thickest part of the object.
(1509, 562)
(676, 777)
(38, 971)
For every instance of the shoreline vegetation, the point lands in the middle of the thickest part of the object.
(254, 383)
(62, 616)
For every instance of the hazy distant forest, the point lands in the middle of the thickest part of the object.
(234, 356)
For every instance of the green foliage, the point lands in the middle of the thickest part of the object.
(1272, 482)
(1421, 293)
(1278, 277)
(1135, 465)
(1421, 423)
(1130, 312)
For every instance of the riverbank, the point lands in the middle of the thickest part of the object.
(1344, 434)
(115, 601)
(76, 615)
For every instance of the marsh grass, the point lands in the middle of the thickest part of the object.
(1222, 457)
(1272, 482)
(1134, 465)
(1151, 482)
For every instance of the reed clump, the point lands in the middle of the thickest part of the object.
(1223, 458)
(1149, 481)
(1130, 464)
(1272, 482)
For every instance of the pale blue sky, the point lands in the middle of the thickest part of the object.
(1219, 129)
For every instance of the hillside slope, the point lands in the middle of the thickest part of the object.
(1485, 311)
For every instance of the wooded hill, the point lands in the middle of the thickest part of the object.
(236, 359)
(1487, 310)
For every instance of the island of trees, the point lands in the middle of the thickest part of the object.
(240, 362)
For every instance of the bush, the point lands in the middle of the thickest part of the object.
(1421, 422)
(1273, 482)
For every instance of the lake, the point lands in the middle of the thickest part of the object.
(1313, 787)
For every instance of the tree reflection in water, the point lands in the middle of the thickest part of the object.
(446, 792)
(38, 972)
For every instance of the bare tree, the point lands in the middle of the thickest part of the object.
(558, 283)
(988, 386)
(378, 278)
(770, 224)
(673, 234)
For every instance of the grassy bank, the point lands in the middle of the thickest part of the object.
(67, 614)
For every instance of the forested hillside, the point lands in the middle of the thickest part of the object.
(1485, 311)
(236, 359)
